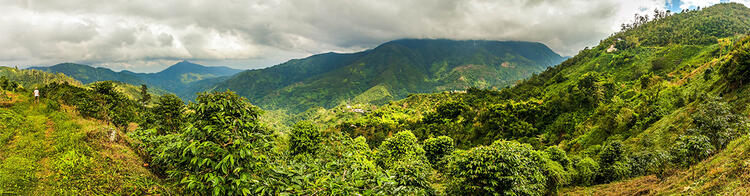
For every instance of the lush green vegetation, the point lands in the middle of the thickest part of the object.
(390, 71)
(647, 114)
(49, 149)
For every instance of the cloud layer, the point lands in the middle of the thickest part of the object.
(146, 35)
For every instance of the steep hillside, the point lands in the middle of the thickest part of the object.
(725, 173)
(651, 105)
(49, 149)
(178, 78)
(34, 78)
(390, 71)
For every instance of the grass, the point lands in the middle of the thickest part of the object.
(57, 152)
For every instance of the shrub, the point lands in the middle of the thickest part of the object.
(437, 148)
(52, 105)
(613, 162)
(557, 175)
(616, 171)
(586, 171)
(221, 148)
(690, 149)
(305, 138)
(505, 167)
(648, 162)
(612, 152)
(403, 145)
(168, 114)
(714, 119)
(411, 177)
(558, 155)
(737, 69)
(406, 163)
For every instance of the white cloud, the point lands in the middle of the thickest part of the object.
(690, 4)
(744, 2)
(140, 34)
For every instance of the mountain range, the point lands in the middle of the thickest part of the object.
(387, 72)
(390, 71)
(178, 78)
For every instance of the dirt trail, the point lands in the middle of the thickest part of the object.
(44, 171)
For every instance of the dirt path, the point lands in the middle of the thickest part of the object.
(44, 171)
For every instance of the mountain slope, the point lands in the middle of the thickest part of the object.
(657, 104)
(50, 149)
(176, 78)
(393, 69)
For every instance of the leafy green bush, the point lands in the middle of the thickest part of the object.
(505, 167)
(52, 105)
(690, 149)
(411, 177)
(403, 145)
(613, 162)
(557, 175)
(405, 160)
(222, 146)
(305, 138)
(715, 119)
(586, 171)
(648, 162)
(168, 114)
(615, 171)
(558, 155)
(437, 148)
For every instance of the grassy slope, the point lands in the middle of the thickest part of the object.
(49, 152)
(725, 173)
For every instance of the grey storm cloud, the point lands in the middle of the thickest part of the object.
(142, 34)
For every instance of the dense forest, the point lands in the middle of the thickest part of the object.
(647, 111)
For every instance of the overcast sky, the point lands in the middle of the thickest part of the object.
(148, 35)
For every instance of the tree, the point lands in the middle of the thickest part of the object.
(505, 167)
(114, 106)
(305, 138)
(145, 96)
(168, 113)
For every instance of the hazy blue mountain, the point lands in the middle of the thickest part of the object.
(178, 78)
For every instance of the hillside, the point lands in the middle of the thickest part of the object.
(178, 78)
(50, 149)
(658, 104)
(389, 72)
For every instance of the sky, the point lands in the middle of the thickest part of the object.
(149, 35)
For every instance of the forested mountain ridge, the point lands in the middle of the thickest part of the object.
(390, 71)
(178, 78)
